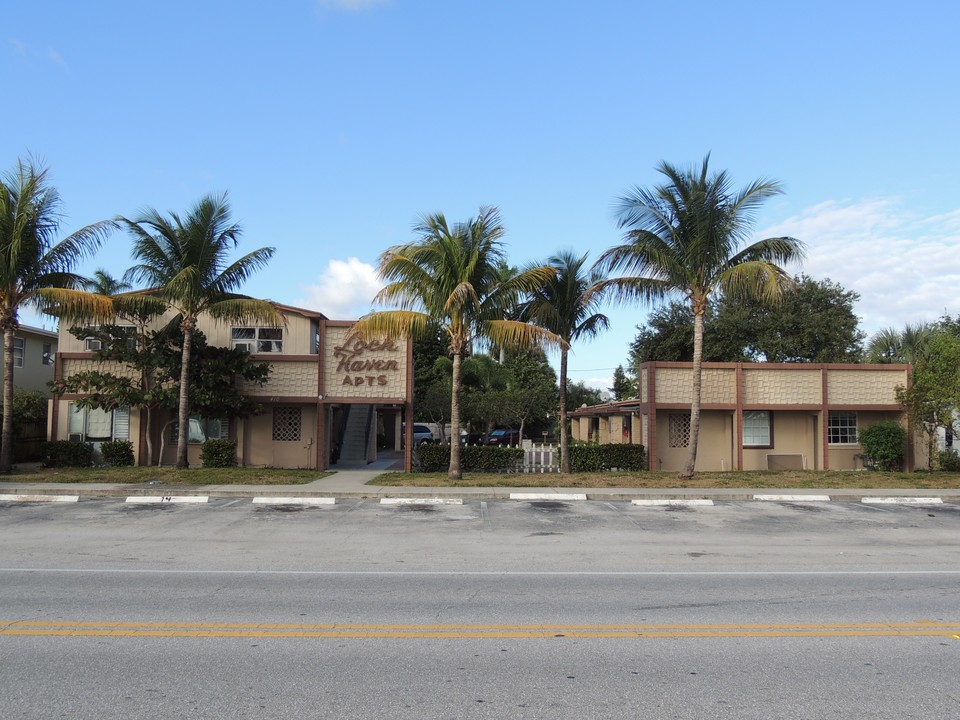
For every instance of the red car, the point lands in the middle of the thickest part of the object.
(505, 437)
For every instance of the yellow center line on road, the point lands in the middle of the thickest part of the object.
(471, 631)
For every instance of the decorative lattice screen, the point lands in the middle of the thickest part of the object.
(679, 431)
(286, 423)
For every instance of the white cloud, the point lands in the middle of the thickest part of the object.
(345, 291)
(904, 266)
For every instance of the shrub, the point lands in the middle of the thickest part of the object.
(219, 453)
(478, 458)
(118, 453)
(884, 444)
(66, 453)
(600, 458)
(949, 461)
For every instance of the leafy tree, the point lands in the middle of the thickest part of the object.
(36, 270)
(686, 237)
(484, 380)
(185, 263)
(450, 277)
(623, 387)
(934, 393)
(531, 393)
(580, 394)
(814, 322)
(567, 305)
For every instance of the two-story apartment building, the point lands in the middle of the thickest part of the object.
(754, 416)
(328, 398)
(34, 353)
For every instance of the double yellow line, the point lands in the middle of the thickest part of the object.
(336, 630)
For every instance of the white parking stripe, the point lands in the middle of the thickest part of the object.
(421, 501)
(675, 502)
(145, 499)
(294, 501)
(902, 500)
(548, 496)
(792, 498)
(39, 498)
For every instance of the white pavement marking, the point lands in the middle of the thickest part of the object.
(674, 502)
(39, 498)
(902, 500)
(548, 496)
(143, 499)
(792, 498)
(294, 501)
(421, 501)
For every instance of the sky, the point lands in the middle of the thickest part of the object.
(335, 124)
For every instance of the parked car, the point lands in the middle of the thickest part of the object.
(422, 435)
(504, 437)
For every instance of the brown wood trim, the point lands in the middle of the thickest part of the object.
(55, 409)
(777, 366)
(364, 400)
(280, 358)
(651, 418)
(340, 323)
(783, 408)
(323, 454)
(408, 412)
(738, 417)
(867, 408)
(824, 419)
(704, 406)
(277, 399)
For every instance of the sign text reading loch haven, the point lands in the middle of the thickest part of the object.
(360, 370)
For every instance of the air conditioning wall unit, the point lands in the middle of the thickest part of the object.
(76, 437)
(94, 345)
(245, 346)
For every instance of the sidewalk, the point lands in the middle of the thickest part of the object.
(352, 483)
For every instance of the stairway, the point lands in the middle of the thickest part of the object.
(356, 434)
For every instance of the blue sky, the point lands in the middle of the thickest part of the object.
(335, 124)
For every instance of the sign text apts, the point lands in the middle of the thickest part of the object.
(359, 370)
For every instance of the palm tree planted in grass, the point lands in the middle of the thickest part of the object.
(450, 275)
(567, 305)
(687, 237)
(37, 271)
(185, 262)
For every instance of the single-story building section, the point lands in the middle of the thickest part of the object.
(754, 416)
(328, 399)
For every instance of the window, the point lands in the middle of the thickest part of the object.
(99, 339)
(257, 339)
(842, 428)
(201, 429)
(96, 425)
(19, 344)
(757, 428)
(286, 424)
(47, 354)
(679, 431)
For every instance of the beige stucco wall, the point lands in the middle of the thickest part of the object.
(644, 380)
(714, 449)
(794, 433)
(782, 387)
(864, 387)
(844, 457)
(354, 371)
(675, 385)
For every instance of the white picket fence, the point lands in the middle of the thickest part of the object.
(540, 458)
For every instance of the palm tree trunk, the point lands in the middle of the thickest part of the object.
(6, 439)
(687, 472)
(184, 408)
(454, 472)
(564, 439)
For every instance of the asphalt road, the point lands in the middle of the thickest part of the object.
(489, 609)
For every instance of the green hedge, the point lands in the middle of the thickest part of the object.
(118, 453)
(885, 444)
(219, 453)
(601, 458)
(66, 453)
(477, 458)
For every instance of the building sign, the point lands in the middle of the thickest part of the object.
(363, 368)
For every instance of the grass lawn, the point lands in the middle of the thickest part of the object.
(760, 479)
(166, 476)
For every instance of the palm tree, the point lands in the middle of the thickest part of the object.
(36, 270)
(567, 306)
(450, 276)
(184, 262)
(686, 237)
(900, 346)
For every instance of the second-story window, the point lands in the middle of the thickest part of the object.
(18, 346)
(257, 339)
(47, 354)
